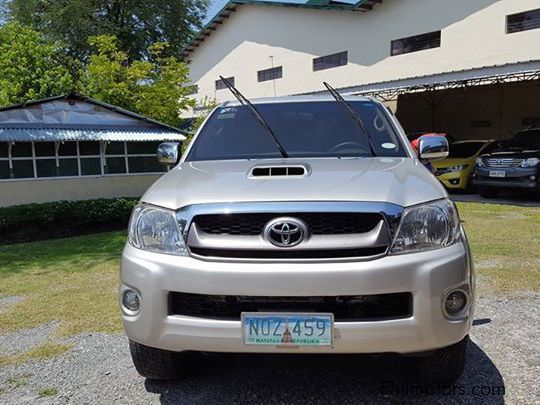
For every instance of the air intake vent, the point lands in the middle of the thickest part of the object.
(273, 171)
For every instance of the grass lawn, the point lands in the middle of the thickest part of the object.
(74, 281)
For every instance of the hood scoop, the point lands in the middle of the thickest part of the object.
(279, 171)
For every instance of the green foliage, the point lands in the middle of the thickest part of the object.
(136, 23)
(30, 67)
(31, 221)
(154, 87)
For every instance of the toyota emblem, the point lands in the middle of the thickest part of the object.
(285, 232)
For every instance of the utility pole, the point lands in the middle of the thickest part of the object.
(273, 77)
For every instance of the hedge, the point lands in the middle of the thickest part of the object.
(22, 223)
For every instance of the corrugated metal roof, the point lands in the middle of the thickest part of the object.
(87, 134)
(232, 5)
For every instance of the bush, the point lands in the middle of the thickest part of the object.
(22, 223)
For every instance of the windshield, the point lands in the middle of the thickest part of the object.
(306, 129)
(525, 139)
(465, 149)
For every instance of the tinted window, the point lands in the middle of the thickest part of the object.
(309, 129)
(89, 148)
(142, 148)
(23, 169)
(21, 149)
(115, 165)
(145, 165)
(45, 149)
(90, 166)
(465, 149)
(220, 84)
(416, 43)
(270, 74)
(4, 169)
(330, 61)
(526, 139)
(529, 20)
(67, 149)
(3, 149)
(115, 148)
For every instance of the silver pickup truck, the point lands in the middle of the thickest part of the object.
(298, 225)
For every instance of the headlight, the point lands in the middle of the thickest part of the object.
(530, 162)
(426, 227)
(157, 230)
(479, 162)
(457, 168)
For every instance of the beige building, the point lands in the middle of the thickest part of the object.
(468, 68)
(77, 148)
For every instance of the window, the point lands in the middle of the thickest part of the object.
(305, 129)
(528, 20)
(416, 43)
(270, 74)
(330, 61)
(192, 89)
(220, 84)
(21, 160)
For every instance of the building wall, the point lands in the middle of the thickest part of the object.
(473, 35)
(16, 192)
(485, 112)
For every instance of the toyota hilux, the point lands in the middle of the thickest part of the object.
(301, 224)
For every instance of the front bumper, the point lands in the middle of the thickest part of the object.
(514, 177)
(428, 276)
(454, 180)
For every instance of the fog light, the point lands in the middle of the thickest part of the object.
(455, 302)
(131, 300)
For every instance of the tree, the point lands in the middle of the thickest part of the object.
(155, 87)
(30, 67)
(137, 24)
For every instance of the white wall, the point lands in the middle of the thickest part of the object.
(473, 35)
(27, 191)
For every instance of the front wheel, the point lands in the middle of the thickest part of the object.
(443, 367)
(157, 364)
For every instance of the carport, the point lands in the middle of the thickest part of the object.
(485, 103)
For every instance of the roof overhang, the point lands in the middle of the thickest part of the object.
(233, 5)
(496, 74)
(57, 134)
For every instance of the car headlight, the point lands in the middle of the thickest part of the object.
(479, 162)
(157, 230)
(530, 162)
(457, 168)
(426, 227)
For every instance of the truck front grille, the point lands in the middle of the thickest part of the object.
(251, 224)
(352, 308)
(502, 162)
(290, 254)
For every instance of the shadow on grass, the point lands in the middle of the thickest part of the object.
(72, 254)
(323, 379)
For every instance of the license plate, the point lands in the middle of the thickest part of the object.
(287, 329)
(497, 173)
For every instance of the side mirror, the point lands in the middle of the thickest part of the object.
(433, 148)
(168, 153)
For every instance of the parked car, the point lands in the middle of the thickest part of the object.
(455, 172)
(298, 225)
(513, 165)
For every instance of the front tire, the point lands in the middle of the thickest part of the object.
(156, 364)
(487, 192)
(443, 367)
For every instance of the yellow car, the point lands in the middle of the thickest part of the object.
(456, 170)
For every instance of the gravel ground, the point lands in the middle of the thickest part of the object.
(504, 357)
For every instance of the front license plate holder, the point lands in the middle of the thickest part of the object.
(287, 329)
(497, 173)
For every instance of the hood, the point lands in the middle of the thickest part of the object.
(438, 164)
(402, 181)
(515, 153)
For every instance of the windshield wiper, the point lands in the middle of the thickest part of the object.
(353, 114)
(245, 102)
